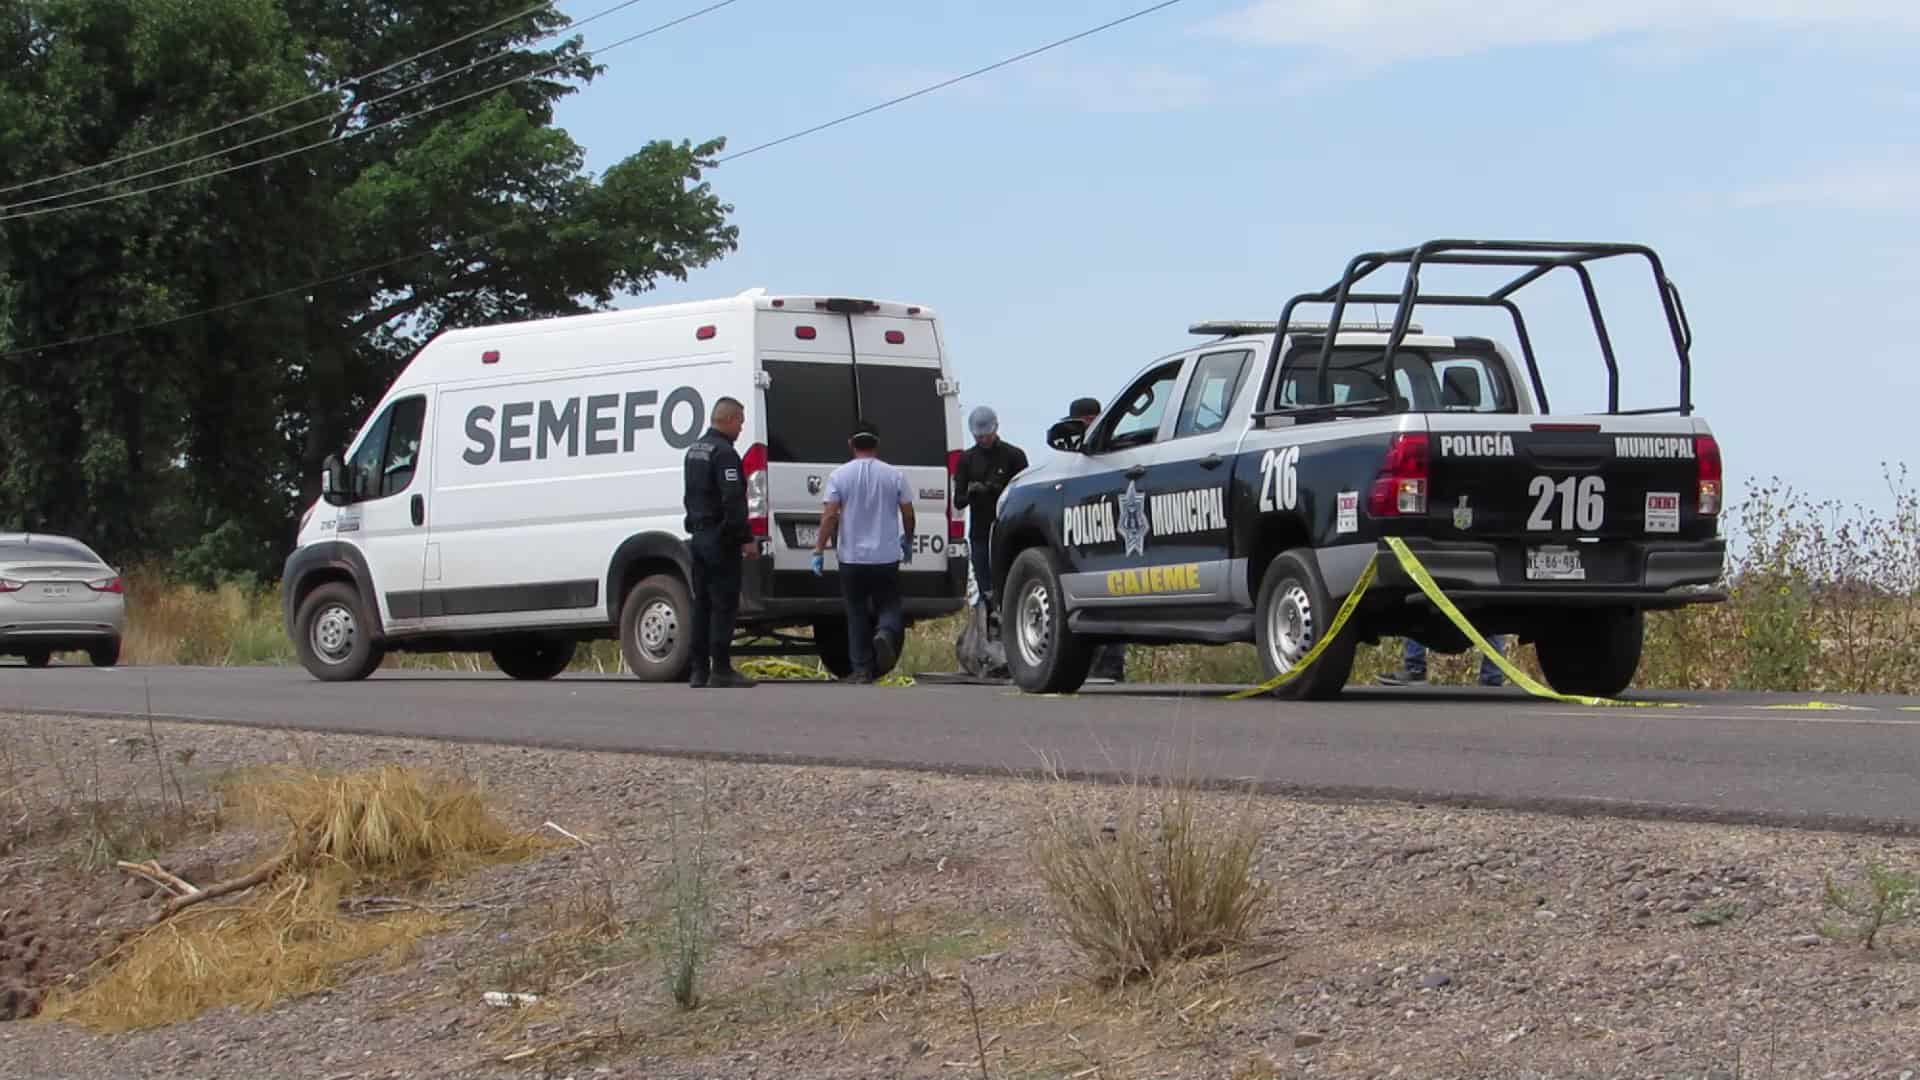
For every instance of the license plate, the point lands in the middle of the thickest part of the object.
(1555, 564)
(56, 592)
(805, 535)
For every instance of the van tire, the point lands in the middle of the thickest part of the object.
(831, 645)
(1293, 611)
(1043, 655)
(534, 658)
(656, 629)
(333, 635)
(1596, 656)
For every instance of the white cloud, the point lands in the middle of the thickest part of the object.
(1119, 89)
(1872, 186)
(1387, 30)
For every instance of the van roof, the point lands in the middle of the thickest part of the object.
(749, 300)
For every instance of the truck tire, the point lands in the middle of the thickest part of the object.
(331, 637)
(1596, 655)
(656, 628)
(1293, 611)
(534, 658)
(1043, 656)
(830, 644)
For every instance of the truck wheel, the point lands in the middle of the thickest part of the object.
(830, 643)
(1294, 611)
(1594, 656)
(106, 655)
(534, 658)
(1043, 656)
(37, 658)
(331, 635)
(656, 628)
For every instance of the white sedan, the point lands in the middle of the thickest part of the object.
(56, 595)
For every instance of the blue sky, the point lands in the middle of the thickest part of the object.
(1070, 216)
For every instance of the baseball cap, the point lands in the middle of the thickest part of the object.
(1085, 406)
(982, 421)
(865, 436)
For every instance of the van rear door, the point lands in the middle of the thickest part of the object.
(823, 369)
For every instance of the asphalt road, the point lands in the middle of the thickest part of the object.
(1724, 757)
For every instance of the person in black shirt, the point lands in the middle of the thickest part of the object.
(716, 502)
(985, 468)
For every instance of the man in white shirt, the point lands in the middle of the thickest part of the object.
(869, 519)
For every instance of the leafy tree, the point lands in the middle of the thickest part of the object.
(151, 443)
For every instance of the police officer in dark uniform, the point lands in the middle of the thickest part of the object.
(716, 501)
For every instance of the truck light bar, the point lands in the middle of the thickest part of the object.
(1240, 327)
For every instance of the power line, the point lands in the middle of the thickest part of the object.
(1030, 53)
(13, 210)
(264, 113)
(488, 234)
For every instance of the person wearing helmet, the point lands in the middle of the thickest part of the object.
(984, 471)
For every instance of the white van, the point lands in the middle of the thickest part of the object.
(519, 488)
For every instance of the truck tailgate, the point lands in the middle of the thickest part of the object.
(1564, 479)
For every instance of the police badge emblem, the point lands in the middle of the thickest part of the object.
(1463, 515)
(1133, 520)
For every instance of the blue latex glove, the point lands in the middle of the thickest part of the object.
(819, 564)
(906, 547)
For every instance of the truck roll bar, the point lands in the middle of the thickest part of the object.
(1538, 257)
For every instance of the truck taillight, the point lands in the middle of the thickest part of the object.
(1706, 452)
(956, 528)
(755, 464)
(1400, 488)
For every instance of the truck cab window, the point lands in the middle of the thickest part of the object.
(387, 458)
(1136, 418)
(1210, 393)
(1423, 380)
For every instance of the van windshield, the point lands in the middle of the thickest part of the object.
(810, 411)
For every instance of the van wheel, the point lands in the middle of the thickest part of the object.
(37, 658)
(830, 643)
(105, 655)
(534, 658)
(656, 629)
(1293, 613)
(332, 638)
(1043, 656)
(1596, 656)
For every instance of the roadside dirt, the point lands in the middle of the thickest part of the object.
(851, 915)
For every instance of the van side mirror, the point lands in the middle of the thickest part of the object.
(1068, 435)
(335, 487)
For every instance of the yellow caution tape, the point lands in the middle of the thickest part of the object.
(1339, 620)
(774, 669)
(1816, 705)
(1411, 565)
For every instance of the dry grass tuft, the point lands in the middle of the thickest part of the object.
(253, 954)
(390, 823)
(1166, 880)
(287, 937)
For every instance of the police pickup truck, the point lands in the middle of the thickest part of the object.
(1237, 491)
